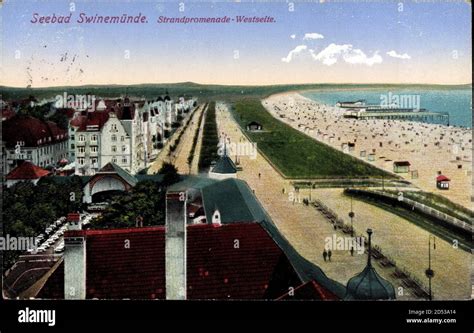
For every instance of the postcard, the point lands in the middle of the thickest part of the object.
(233, 150)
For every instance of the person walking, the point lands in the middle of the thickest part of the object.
(329, 255)
(325, 254)
(352, 251)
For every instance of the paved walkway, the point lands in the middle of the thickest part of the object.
(181, 154)
(163, 155)
(197, 151)
(307, 230)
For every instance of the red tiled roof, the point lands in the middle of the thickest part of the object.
(442, 178)
(7, 113)
(27, 170)
(219, 269)
(68, 112)
(115, 271)
(77, 120)
(32, 131)
(232, 261)
(96, 118)
(310, 290)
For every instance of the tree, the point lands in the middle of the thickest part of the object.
(170, 173)
(146, 200)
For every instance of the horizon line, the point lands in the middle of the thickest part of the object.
(236, 85)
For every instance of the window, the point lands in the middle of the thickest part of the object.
(114, 149)
(122, 138)
(82, 138)
(114, 159)
(94, 161)
(124, 160)
(81, 149)
(124, 148)
(94, 137)
(114, 138)
(94, 149)
(80, 161)
(114, 128)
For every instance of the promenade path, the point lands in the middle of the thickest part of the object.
(164, 156)
(181, 154)
(197, 150)
(307, 230)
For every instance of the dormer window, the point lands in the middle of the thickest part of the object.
(216, 217)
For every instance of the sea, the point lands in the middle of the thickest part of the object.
(457, 102)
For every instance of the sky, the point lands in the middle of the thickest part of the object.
(309, 42)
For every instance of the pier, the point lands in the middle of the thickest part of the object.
(396, 115)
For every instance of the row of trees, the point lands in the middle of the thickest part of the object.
(196, 137)
(210, 139)
(178, 139)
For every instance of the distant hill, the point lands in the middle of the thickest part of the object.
(202, 91)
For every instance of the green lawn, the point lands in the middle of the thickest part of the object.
(295, 154)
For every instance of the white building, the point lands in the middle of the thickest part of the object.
(129, 133)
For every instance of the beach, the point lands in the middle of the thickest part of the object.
(430, 149)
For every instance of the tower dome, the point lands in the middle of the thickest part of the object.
(368, 284)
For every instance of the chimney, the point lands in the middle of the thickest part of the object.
(74, 259)
(175, 245)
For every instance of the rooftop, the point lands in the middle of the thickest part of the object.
(27, 170)
(258, 268)
(32, 131)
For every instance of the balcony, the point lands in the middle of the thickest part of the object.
(80, 143)
(94, 154)
(80, 154)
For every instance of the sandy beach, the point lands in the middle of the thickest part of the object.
(431, 149)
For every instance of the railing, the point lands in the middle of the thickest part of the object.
(423, 208)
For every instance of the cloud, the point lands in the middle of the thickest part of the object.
(297, 50)
(312, 35)
(334, 52)
(394, 54)
(356, 56)
(293, 36)
(329, 55)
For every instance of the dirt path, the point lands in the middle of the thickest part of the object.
(180, 156)
(197, 151)
(163, 155)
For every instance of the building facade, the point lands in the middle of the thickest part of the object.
(27, 138)
(129, 133)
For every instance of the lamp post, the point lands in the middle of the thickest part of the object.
(310, 159)
(429, 272)
(351, 215)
